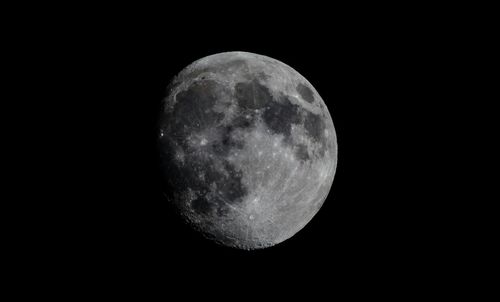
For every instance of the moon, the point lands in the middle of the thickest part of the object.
(247, 147)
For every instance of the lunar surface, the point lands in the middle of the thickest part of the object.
(248, 149)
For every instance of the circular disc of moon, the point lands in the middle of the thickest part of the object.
(248, 149)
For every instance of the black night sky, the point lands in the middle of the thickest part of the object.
(363, 81)
(372, 73)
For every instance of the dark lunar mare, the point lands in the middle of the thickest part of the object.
(280, 115)
(315, 127)
(224, 142)
(190, 112)
(252, 95)
(213, 179)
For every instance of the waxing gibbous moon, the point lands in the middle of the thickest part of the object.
(248, 149)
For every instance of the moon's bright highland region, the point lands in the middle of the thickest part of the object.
(248, 149)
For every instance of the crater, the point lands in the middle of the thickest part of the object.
(305, 92)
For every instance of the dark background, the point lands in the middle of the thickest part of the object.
(379, 75)
(408, 95)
